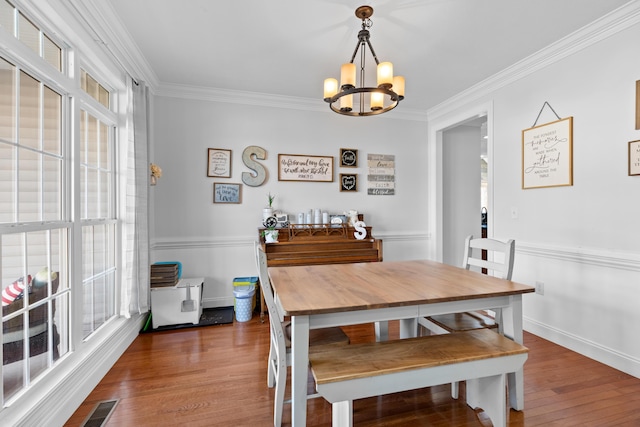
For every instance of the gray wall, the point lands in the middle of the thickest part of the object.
(216, 240)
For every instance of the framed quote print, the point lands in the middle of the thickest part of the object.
(547, 155)
(227, 193)
(295, 167)
(348, 158)
(634, 158)
(219, 163)
(348, 182)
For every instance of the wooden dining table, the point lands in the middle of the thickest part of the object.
(321, 296)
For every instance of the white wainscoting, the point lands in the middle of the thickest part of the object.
(590, 302)
(220, 260)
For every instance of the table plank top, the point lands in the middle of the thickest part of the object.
(331, 288)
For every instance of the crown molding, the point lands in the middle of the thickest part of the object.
(105, 24)
(600, 29)
(227, 96)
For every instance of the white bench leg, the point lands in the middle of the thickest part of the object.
(516, 394)
(455, 387)
(342, 414)
(489, 394)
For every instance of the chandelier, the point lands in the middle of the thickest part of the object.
(371, 100)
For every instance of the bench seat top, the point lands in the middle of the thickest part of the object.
(356, 361)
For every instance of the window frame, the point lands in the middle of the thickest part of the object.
(67, 83)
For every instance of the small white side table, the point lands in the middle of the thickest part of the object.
(166, 303)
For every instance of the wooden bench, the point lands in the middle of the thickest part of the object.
(356, 371)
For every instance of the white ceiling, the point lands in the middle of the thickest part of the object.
(288, 47)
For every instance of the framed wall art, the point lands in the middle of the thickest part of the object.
(348, 182)
(227, 193)
(638, 105)
(219, 163)
(381, 174)
(547, 155)
(634, 158)
(348, 158)
(295, 167)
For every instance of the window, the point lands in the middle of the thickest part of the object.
(34, 239)
(97, 213)
(28, 33)
(57, 187)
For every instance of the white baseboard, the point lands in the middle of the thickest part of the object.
(218, 302)
(592, 350)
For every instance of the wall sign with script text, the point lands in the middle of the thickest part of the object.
(634, 158)
(294, 167)
(547, 155)
(348, 158)
(227, 193)
(219, 163)
(348, 182)
(381, 179)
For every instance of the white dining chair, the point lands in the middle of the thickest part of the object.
(280, 343)
(499, 263)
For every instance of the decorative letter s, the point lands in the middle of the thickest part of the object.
(361, 231)
(257, 179)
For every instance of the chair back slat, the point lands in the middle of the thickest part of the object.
(267, 291)
(500, 258)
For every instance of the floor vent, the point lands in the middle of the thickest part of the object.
(100, 414)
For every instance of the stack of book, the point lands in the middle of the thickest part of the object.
(163, 275)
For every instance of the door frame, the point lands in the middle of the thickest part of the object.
(436, 126)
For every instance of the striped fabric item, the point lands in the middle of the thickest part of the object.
(14, 290)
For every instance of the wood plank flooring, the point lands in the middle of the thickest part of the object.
(216, 376)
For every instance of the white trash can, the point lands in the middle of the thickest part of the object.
(244, 302)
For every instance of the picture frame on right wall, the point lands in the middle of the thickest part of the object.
(547, 155)
(634, 158)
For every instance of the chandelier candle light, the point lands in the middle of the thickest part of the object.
(385, 97)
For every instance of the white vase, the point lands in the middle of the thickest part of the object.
(266, 213)
(271, 236)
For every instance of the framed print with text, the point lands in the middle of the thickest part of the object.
(547, 155)
(348, 182)
(219, 163)
(227, 193)
(295, 167)
(348, 158)
(634, 158)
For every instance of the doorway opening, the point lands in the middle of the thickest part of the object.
(464, 185)
(459, 179)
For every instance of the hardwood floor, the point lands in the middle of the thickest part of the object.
(216, 376)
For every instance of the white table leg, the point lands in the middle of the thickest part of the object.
(512, 319)
(342, 414)
(382, 330)
(408, 327)
(299, 369)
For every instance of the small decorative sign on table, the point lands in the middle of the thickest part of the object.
(547, 155)
(294, 167)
